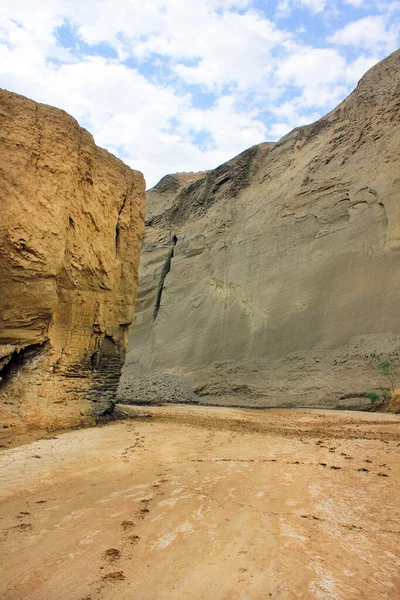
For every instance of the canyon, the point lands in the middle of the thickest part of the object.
(270, 282)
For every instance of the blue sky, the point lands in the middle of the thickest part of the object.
(184, 85)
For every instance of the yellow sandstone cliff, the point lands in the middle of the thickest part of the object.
(71, 226)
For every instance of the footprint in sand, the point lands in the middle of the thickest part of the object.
(112, 554)
(133, 539)
(126, 525)
(22, 527)
(114, 576)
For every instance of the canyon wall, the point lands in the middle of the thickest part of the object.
(71, 227)
(274, 279)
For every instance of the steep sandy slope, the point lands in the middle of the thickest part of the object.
(274, 279)
(72, 218)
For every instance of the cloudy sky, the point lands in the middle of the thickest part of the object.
(183, 85)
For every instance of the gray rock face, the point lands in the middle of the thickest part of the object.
(273, 280)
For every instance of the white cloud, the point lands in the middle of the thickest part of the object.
(236, 49)
(361, 65)
(355, 3)
(314, 5)
(278, 130)
(387, 7)
(369, 33)
(286, 7)
(230, 128)
(319, 86)
(307, 69)
(308, 66)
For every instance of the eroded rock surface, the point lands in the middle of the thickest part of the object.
(273, 280)
(72, 217)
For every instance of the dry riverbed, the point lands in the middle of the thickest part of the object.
(206, 504)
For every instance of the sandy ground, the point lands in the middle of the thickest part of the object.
(206, 503)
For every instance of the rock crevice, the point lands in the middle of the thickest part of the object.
(164, 272)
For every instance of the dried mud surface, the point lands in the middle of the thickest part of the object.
(199, 502)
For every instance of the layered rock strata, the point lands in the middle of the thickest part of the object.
(72, 219)
(274, 279)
